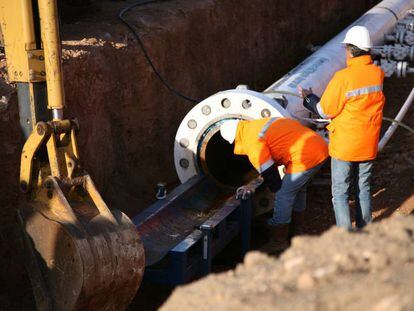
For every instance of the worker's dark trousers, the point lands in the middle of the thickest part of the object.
(342, 172)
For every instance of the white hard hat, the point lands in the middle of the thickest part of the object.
(228, 130)
(358, 36)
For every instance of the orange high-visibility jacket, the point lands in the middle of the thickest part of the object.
(280, 141)
(354, 101)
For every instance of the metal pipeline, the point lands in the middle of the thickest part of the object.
(198, 145)
(317, 70)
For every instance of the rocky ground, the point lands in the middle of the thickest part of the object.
(369, 270)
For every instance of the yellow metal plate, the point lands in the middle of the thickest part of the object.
(24, 62)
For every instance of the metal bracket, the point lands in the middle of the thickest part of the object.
(246, 206)
(63, 156)
(32, 145)
(36, 62)
(207, 231)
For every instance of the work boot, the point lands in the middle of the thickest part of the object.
(296, 225)
(278, 240)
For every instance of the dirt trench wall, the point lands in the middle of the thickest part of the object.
(128, 118)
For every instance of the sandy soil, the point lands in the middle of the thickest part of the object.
(370, 270)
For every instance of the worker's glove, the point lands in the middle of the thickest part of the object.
(272, 178)
(310, 102)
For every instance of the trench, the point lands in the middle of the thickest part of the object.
(128, 119)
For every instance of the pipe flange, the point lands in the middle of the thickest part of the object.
(402, 69)
(400, 36)
(231, 104)
(411, 53)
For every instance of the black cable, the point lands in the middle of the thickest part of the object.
(144, 50)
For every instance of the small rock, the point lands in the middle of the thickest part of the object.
(325, 271)
(293, 263)
(255, 258)
(346, 262)
(118, 45)
(306, 281)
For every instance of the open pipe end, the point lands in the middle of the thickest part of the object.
(218, 161)
(198, 146)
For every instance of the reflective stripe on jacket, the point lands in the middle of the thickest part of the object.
(354, 101)
(280, 141)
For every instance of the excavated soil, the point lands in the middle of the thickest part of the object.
(369, 270)
(128, 118)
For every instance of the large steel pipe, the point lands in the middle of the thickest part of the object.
(198, 147)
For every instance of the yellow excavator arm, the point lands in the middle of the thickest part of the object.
(80, 254)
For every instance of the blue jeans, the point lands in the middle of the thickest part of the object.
(342, 172)
(291, 196)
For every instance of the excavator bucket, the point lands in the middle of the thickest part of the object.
(80, 255)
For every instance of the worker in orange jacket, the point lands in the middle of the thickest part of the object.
(271, 142)
(353, 101)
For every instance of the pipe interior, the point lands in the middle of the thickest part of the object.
(220, 163)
